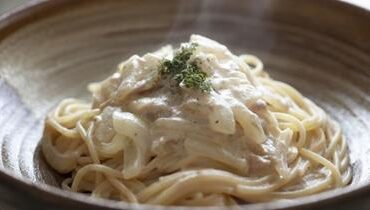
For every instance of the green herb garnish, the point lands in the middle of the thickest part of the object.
(184, 72)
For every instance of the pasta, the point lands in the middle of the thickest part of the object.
(196, 126)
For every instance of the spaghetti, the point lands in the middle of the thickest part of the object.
(144, 139)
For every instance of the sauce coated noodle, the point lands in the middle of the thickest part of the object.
(142, 140)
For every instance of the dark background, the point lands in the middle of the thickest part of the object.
(7, 5)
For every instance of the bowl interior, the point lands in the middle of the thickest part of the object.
(52, 50)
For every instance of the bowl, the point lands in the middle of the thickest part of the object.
(50, 50)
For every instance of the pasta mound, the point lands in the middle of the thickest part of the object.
(195, 126)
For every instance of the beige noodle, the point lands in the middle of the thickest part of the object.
(217, 149)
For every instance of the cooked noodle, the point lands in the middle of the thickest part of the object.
(250, 139)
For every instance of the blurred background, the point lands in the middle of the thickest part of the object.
(6, 5)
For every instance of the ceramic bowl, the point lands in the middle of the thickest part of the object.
(50, 50)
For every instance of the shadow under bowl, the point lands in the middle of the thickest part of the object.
(52, 49)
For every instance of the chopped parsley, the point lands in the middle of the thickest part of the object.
(184, 72)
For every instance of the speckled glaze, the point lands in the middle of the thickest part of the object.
(50, 50)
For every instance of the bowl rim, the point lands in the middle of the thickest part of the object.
(36, 10)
